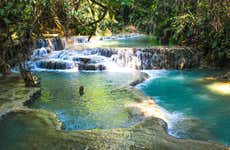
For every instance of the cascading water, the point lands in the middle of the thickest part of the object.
(40, 52)
(70, 60)
(114, 58)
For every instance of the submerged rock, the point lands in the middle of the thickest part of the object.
(142, 77)
(91, 67)
(146, 108)
(81, 90)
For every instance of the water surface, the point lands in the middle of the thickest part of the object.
(133, 42)
(101, 106)
(196, 111)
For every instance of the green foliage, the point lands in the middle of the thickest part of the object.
(202, 24)
(23, 21)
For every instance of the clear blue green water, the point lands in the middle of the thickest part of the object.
(141, 41)
(196, 112)
(101, 106)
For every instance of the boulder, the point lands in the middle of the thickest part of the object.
(58, 44)
(55, 64)
(91, 67)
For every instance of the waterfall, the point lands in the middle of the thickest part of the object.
(127, 58)
(114, 59)
(51, 54)
(40, 52)
(156, 58)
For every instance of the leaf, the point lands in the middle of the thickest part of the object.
(214, 44)
(1, 12)
(6, 20)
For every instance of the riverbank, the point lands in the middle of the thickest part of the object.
(14, 95)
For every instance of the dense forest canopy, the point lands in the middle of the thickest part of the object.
(202, 24)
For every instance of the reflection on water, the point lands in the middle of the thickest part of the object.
(206, 113)
(101, 106)
(220, 88)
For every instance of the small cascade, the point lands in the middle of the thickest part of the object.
(106, 52)
(40, 52)
(60, 43)
(66, 60)
(127, 58)
(54, 44)
(156, 58)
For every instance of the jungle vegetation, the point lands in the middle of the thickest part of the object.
(202, 24)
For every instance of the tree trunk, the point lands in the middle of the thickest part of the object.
(29, 78)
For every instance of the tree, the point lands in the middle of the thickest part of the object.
(23, 21)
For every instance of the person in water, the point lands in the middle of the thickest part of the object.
(81, 90)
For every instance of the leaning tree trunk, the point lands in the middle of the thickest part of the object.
(29, 78)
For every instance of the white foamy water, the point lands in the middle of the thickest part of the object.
(43, 59)
(172, 119)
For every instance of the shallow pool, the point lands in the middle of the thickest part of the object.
(102, 105)
(196, 111)
(142, 41)
(133, 42)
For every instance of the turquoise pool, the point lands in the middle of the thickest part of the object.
(196, 111)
